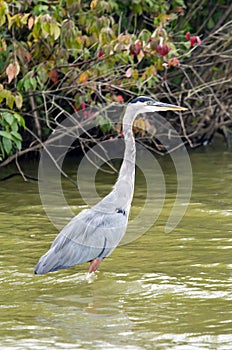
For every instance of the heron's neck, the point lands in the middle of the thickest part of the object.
(127, 172)
(128, 164)
(121, 195)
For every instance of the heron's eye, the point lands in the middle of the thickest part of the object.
(148, 102)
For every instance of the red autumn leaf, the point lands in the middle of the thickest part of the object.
(100, 53)
(187, 35)
(193, 40)
(120, 98)
(83, 105)
(135, 48)
(163, 50)
(173, 62)
(54, 76)
(27, 56)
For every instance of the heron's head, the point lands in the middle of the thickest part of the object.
(147, 104)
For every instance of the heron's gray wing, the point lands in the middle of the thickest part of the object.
(88, 235)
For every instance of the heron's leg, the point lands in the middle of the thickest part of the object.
(94, 265)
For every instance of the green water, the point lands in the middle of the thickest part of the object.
(162, 291)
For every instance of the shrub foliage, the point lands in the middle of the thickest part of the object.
(60, 56)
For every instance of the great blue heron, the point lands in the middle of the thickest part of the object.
(94, 233)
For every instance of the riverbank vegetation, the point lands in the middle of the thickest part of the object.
(60, 57)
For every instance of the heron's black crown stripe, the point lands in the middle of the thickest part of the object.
(142, 99)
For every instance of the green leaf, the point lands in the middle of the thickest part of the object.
(2, 151)
(16, 136)
(29, 84)
(105, 124)
(178, 3)
(10, 101)
(42, 75)
(4, 94)
(26, 84)
(8, 118)
(18, 144)
(45, 29)
(20, 119)
(7, 144)
(20, 85)
(54, 30)
(33, 83)
(14, 126)
(3, 12)
(39, 8)
(36, 29)
(5, 135)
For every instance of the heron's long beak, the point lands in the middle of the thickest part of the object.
(168, 107)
